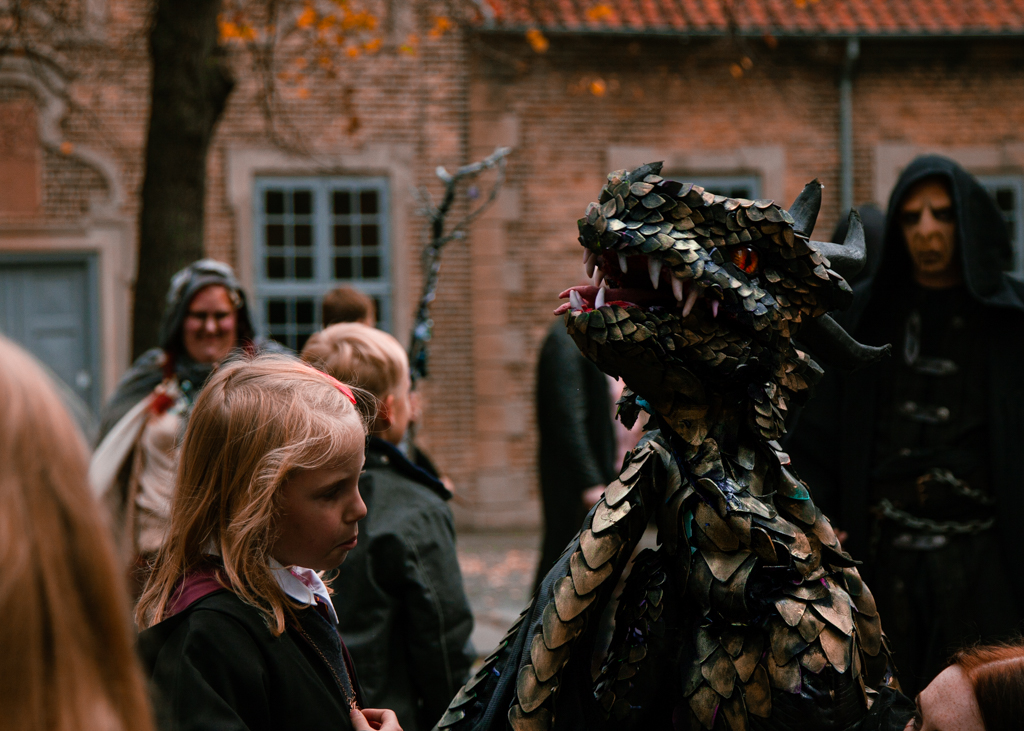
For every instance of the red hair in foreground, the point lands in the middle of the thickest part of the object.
(67, 662)
(996, 672)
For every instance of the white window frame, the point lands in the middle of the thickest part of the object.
(1016, 183)
(323, 219)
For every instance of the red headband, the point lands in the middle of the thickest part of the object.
(345, 390)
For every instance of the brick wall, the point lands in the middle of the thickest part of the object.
(464, 94)
(679, 97)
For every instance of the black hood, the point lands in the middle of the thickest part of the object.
(185, 285)
(983, 239)
(170, 358)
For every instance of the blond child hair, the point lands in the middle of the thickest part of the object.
(67, 661)
(363, 356)
(257, 421)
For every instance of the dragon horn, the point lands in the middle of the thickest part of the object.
(848, 258)
(805, 208)
(831, 344)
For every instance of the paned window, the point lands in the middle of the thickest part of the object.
(1008, 192)
(732, 186)
(312, 235)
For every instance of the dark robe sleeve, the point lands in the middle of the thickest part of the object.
(564, 402)
(211, 676)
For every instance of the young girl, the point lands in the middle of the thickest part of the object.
(241, 633)
(66, 658)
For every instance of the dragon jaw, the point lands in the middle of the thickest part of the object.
(695, 294)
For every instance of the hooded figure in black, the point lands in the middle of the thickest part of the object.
(172, 358)
(923, 452)
(135, 463)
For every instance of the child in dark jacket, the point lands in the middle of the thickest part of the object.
(401, 604)
(240, 633)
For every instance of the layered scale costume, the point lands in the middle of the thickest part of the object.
(749, 614)
(923, 451)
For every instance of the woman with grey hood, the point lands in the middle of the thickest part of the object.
(133, 469)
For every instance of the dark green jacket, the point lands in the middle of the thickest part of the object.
(402, 609)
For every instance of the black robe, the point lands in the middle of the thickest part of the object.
(216, 666)
(576, 439)
(967, 589)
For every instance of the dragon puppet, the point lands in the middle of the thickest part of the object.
(749, 614)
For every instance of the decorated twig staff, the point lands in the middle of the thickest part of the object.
(749, 615)
(440, 235)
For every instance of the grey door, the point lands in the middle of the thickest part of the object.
(48, 305)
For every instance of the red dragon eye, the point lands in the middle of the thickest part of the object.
(745, 259)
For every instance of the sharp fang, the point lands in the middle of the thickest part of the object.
(598, 276)
(654, 267)
(622, 263)
(714, 308)
(691, 299)
(599, 300)
(575, 301)
(677, 289)
(589, 263)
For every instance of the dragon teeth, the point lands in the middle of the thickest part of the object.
(654, 267)
(575, 301)
(677, 289)
(599, 301)
(622, 263)
(589, 262)
(691, 300)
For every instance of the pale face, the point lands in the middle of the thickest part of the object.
(947, 704)
(929, 228)
(210, 329)
(319, 512)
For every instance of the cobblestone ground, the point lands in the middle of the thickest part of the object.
(498, 572)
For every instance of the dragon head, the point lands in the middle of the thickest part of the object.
(697, 298)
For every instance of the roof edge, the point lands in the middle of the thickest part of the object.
(748, 33)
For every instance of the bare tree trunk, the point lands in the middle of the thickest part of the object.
(191, 84)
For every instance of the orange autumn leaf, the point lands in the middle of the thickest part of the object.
(307, 18)
(372, 46)
(598, 87)
(537, 40)
(352, 51)
(441, 26)
(599, 12)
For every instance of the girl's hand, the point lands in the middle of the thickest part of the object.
(371, 719)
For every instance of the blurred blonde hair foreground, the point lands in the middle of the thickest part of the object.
(257, 421)
(67, 662)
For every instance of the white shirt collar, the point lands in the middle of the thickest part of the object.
(303, 585)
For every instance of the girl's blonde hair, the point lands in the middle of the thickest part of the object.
(67, 662)
(256, 422)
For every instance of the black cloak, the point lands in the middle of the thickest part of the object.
(832, 443)
(576, 444)
(156, 364)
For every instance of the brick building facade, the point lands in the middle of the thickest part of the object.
(757, 107)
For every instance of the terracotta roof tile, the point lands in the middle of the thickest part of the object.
(779, 17)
